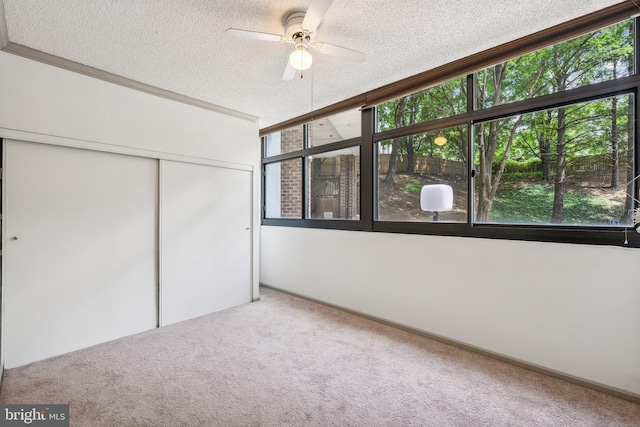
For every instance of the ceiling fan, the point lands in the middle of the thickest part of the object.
(300, 30)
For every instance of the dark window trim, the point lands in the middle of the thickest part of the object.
(368, 171)
(263, 210)
(424, 127)
(332, 224)
(340, 224)
(534, 233)
(347, 143)
(471, 196)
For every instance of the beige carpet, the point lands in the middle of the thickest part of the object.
(285, 361)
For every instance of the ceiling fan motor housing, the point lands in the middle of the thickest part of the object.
(294, 30)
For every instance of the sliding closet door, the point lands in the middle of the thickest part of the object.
(80, 254)
(205, 239)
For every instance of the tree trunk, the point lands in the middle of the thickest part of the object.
(628, 203)
(395, 145)
(503, 163)
(483, 178)
(615, 157)
(614, 139)
(545, 154)
(463, 146)
(393, 161)
(561, 166)
(487, 149)
(631, 114)
(411, 155)
(544, 145)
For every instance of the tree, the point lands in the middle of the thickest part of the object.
(491, 85)
(555, 136)
(615, 155)
(395, 145)
(444, 100)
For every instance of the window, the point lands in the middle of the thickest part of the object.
(284, 141)
(283, 189)
(541, 146)
(592, 58)
(407, 164)
(566, 165)
(338, 127)
(327, 187)
(334, 184)
(444, 100)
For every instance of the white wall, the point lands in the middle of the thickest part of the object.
(39, 98)
(41, 103)
(570, 308)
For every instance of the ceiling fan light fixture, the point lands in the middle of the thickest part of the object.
(300, 58)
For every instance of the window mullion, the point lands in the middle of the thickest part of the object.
(368, 175)
(471, 97)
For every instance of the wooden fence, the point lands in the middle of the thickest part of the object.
(600, 162)
(424, 165)
(595, 163)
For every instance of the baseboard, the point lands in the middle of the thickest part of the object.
(512, 361)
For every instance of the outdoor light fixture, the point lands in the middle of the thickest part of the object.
(440, 140)
(436, 198)
(300, 58)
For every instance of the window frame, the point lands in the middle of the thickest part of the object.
(338, 223)
(623, 236)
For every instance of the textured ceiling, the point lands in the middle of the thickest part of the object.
(181, 46)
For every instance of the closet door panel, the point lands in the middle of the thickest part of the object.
(205, 239)
(80, 253)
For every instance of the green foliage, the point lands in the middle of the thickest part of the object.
(524, 166)
(413, 187)
(534, 143)
(534, 204)
(446, 99)
(521, 176)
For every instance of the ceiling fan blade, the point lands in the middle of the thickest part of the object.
(315, 13)
(254, 35)
(341, 52)
(289, 72)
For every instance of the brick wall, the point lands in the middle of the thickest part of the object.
(348, 187)
(292, 139)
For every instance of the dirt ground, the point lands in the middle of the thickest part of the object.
(396, 203)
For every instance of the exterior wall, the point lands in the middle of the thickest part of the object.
(348, 187)
(292, 139)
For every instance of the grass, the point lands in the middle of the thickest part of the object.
(413, 187)
(518, 176)
(534, 204)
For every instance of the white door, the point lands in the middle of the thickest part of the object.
(205, 239)
(80, 249)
